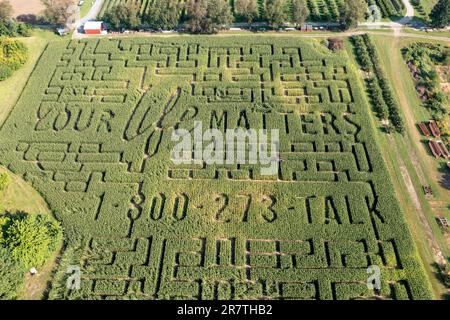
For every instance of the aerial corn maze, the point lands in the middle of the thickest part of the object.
(320, 10)
(92, 133)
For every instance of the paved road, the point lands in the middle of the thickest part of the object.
(409, 12)
(93, 12)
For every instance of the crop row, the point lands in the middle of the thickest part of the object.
(381, 94)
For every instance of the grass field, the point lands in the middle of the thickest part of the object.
(19, 196)
(92, 133)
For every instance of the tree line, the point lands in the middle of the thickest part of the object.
(209, 16)
(202, 16)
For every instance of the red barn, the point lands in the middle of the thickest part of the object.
(93, 27)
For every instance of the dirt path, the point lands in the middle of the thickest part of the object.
(397, 61)
(431, 239)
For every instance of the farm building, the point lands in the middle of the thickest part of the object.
(94, 27)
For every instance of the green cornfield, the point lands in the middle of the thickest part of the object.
(92, 132)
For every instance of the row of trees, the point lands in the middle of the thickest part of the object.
(202, 15)
(208, 16)
(440, 15)
(380, 90)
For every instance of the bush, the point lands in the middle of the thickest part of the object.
(4, 181)
(30, 239)
(14, 29)
(5, 72)
(13, 54)
(335, 44)
(24, 30)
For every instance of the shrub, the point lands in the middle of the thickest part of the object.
(13, 54)
(24, 30)
(5, 72)
(13, 29)
(335, 44)
(4, 181)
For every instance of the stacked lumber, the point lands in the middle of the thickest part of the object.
(424, 129)
(444, 151)
(435, 129)
(434, 148)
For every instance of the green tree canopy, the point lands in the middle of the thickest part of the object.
(13, 54)
(30, 239)
(275, 12)
(164, 14)
(248, 9)
(123, 15)
(300, 12)
(352, 11)
(56, 11)
(440, 15)
(207, 16)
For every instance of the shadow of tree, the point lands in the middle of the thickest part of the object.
(438, 272)
(445, 178)
(29, 18)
